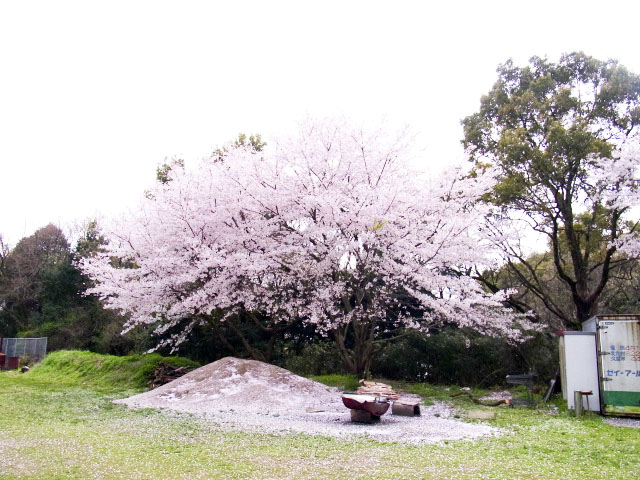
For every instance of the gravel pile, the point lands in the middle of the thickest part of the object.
(254, 396)
(246, 386)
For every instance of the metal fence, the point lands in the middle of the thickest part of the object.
(21, 347)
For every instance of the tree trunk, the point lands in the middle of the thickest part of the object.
(585, 309)
(357, 360)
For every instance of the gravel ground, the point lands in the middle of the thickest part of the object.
(427, 428)
(623, 422)
(248, 395)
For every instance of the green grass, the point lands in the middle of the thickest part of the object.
(345, 383)
(58, 421)
(102, 372)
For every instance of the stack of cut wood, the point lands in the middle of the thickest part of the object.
(377, 389)
(166, 373)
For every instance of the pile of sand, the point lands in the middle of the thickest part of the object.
(254, 396)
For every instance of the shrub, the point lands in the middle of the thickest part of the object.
(462, 357)
(320, 358)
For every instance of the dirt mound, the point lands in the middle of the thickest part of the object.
(232, 384)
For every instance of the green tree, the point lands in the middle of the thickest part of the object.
(548, 127)
(163, 171)
(41, 294)
(254, 142)
(621, 294)
(23, 274)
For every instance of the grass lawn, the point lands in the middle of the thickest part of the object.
(58, 421)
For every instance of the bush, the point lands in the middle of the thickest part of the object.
(320, 358)
(463, 357)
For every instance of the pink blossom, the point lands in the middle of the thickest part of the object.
(331, 226)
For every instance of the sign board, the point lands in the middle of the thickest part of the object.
(619, 366)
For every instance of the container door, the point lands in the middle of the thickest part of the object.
(619, 359)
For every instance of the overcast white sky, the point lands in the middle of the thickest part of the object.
(94, 95)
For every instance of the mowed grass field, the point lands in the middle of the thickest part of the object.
(58, 421)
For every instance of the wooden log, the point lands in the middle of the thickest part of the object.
(377, 389)
(406, 409)
(360, 416)
(165, 373)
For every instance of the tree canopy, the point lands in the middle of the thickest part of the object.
(42, 294)
(564, 138)
(332, 227)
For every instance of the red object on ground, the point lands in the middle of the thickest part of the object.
(2, 357)
(11, 363)
(374, 406)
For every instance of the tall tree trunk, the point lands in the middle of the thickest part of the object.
(357, 360)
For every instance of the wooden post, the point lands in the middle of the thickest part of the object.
(577, 400)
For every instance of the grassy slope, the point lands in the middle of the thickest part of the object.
(102, 372)
(58, 422)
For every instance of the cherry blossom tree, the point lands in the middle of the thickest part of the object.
(617, 188)
(331, 226)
